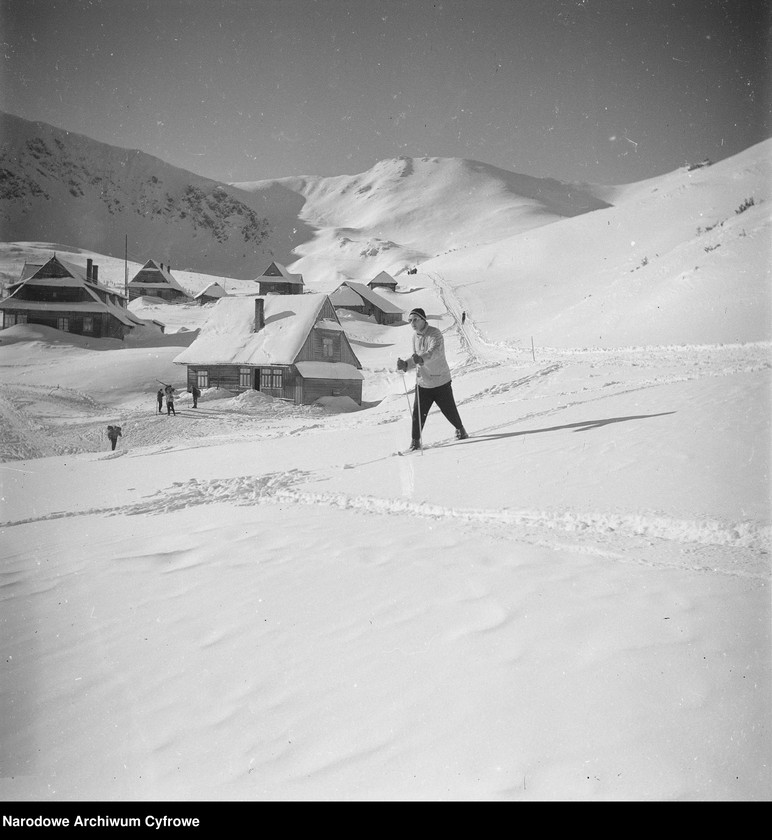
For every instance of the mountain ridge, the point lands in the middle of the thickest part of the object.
(61, 186)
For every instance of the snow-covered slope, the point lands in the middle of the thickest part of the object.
(253, 600)
(683, 258)
(405, 210)
(257, 601)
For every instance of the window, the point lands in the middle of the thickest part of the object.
(328, 348)
(245, 377)
(202, 378)
(63, 324)
(88, 324)
(270, 379)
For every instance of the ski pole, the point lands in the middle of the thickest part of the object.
(407, 398)
(420, 424)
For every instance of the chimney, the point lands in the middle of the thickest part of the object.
(89, 264)
(95, 273)
(259, 314)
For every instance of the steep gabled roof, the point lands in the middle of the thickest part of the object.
(59, 272)
(371, 297)
(228, 335)
(162, 278)
(276, 272)
(383, 278)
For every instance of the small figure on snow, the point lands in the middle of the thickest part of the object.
(463, 318)
(113, 433)
(433, 380)
(160, 397)
(170, 400)
(196, 394)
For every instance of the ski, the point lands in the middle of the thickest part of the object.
(438, 445)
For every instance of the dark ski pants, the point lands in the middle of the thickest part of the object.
(113, 442)
(443, 397)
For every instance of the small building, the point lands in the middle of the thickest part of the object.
(383, 281)
(360, 298)
(211, 294)
(70, 298)
(296, 350)
(276, 280)
(156, 280)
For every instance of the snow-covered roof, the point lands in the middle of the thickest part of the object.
(164, 278)
(371, 297)
(214, 290)
(75, 277)
(277, 273)
(343, 296)
(228, 335)
(328, 370)
(382, 279)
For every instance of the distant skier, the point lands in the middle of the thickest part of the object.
(160, 397)
(196, 394)
(463, 318)
(433, 380)
(113, 433)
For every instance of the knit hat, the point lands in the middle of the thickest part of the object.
(418, 311)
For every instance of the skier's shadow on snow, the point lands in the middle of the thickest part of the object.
(584, 426)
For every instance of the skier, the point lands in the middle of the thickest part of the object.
(113, 433)
(433, 380)
(160, 397)
(196, 394)
(463, 318)
(170, 400)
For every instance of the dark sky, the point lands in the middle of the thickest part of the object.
(609, 91)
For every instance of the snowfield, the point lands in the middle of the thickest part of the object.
(259, 601)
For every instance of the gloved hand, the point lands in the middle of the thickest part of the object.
(401, 365)
(419, 360)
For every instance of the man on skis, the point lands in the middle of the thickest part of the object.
(433, 381)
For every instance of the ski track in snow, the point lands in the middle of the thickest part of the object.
(653, 539)
(704, 545)
(30, 433)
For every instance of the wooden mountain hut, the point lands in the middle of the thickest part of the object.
(156, 280)
(211, 294)
(276, 280)
(383, 281)
(359, 298)
(296, 350)
(70, 298)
